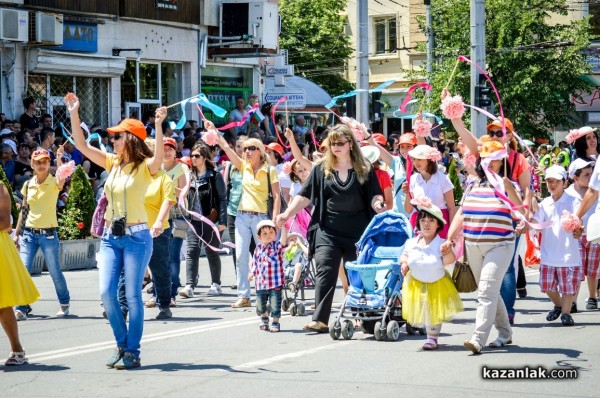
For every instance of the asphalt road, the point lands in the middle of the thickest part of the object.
(209, 349)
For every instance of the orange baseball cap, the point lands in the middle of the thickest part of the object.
(490, 147)
(40, 154)
(408, 138)
(276, 147)
(498, 124)
(132, 126)
(170, 142)
(380, 139)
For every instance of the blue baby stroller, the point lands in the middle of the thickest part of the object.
(374, 294)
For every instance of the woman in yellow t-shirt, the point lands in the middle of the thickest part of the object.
(253, 205)
(41, 194)
(16, 285)
(126, 242)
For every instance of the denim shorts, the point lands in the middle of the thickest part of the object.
(273, 296)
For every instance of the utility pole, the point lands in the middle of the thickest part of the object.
(478, 121)
(362, 61)
(429, 32)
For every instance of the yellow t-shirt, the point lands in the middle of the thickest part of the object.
(177, 171)
(42, 200)
(255, 190)
(137, 185)
(160, 188)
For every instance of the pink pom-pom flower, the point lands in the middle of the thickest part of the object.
(453, 107)
(287, 168)
(211, 138)
(359, 130)
(569, 222)
(433, 154)
(572, 136)
(422, 127)
(423, 201)
(63, 172)
(469, 159)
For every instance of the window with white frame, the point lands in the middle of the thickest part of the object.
(385, 33)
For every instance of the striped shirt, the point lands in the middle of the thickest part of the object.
(487, 219)
(267, 266)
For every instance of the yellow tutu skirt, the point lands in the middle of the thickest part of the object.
(16, 286)
(429, 303)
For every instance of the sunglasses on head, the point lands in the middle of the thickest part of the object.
(251, 148)
(196, 156)
(495, 133)
(339, 143)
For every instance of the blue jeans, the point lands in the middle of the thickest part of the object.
(271, 295)
(175, 263)
(131, 254)
(508, 289)
(50, 245)
(245, 229)
(159, 267)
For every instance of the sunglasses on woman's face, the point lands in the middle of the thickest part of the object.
(495, 133)
(116, 137)
(339, 143)
(251, 148)
(196, 156)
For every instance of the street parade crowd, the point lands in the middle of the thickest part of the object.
(291, 194)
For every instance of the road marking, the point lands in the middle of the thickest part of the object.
(88, 348)
(291, 355)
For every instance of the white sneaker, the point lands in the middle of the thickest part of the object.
(187, 292)
(21, 316)
(215, 290)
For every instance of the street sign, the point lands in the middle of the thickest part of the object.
(284, 70)
(296, 98)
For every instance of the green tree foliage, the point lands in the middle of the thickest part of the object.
(13, 204)
(453, 175)
(80, 208)
(535, 65)
(313, 33)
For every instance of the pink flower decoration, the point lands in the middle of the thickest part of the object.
(423, 201)
(569, 222)
(422, 128)
(572, 136)
(433, 154)
(453, 107)
(211, 138)
(469, 159)
(65, 171)
(287, 168)
(359, 130)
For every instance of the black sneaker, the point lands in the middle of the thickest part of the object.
(165, 313)
(522, 292)
(29, 310)
(128, 361)
(553, 314)
(567, 320)
(574, 308)
(591, 304)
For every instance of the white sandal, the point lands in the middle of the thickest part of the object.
(500, 342)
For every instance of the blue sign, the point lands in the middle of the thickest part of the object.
(79, 36)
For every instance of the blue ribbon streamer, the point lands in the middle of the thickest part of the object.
(202, 100)
(66, 133)
(425, 114)
(352, 93)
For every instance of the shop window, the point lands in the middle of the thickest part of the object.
(149, 82)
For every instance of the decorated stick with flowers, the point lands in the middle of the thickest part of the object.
(452, 74)
(359, 130)
(570, 222)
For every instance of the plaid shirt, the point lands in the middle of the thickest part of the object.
(267, 266)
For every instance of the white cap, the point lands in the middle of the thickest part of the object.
(578, 164)
(371, 153)
(12, 145)
(557, 172)
(264, 223)
(6, 132)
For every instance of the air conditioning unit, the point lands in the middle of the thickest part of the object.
(48, 29)
(258, 20)
(14, 25)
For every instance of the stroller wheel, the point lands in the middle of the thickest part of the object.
(393, 331)
(409, 329)
(335, 330)
(347, 329)
(285, 305)
(300, 309)
(293, 310)
(379, 334)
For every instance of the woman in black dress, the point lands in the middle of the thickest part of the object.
(345, 192)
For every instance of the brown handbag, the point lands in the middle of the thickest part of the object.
(462, 276)
(214, 215)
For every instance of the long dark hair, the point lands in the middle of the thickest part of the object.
(205, 152)
(135, 150)
(580, 146)
(481, 173)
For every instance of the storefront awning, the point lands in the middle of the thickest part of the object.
(75, 64)
(316, 97)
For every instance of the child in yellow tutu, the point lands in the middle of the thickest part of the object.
(16, 286)
(428, 293)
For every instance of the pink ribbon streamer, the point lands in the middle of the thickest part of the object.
(200, 217)
(412, 88)
(241, 122)
(273, 110)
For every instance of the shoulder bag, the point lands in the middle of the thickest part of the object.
(24, 210)
(462, 276)
(270, 200)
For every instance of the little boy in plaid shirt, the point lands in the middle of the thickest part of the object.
(560, 270)
(267, 268)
